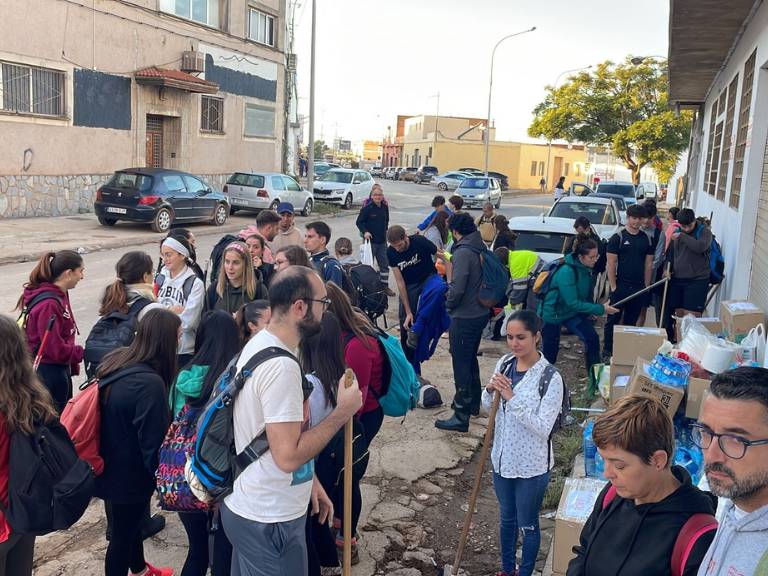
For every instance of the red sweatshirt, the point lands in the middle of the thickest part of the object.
(60, 347)
(368, 365)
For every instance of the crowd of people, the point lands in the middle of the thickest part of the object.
(274, 287)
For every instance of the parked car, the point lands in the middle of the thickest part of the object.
(425, 174)
(397, 172)
(344, 186)
(502, 178)
(408, 174)
(160, 198)
(620, 202)
(477, 190)
(260, 190)
(377, 171)
(625, 189)
(323, 167)
(579, 189)
(647, 190)
(603, 213)
(474, 171)
(549, 237)
(449, 180)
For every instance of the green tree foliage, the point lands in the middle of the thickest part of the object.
(623, 106)
(320, 149)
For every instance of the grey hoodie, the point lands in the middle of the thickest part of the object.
(461, 300)
(740, 547)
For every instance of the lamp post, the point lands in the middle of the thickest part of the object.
(311, 147)
(549, 142)
(490, 88)
(637, 60)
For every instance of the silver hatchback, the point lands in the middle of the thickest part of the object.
(265, 190)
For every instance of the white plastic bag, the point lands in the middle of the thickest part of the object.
(366, 253)
(752, 347)
(695, 338)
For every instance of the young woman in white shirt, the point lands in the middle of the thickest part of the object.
(522, 453)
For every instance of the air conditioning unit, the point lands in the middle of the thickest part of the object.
(192, 61)
(291, 62)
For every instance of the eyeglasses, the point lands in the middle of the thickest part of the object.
(324, 301)
(731, 445)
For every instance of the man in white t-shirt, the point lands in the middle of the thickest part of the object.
(264, 517)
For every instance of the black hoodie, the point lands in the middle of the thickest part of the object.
(629, 540)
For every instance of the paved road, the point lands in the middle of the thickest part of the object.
(409, 204)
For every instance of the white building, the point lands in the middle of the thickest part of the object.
(718, 56)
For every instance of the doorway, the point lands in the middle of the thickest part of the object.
(154, 141)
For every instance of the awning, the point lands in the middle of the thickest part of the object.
(701, 33)
(154, 76)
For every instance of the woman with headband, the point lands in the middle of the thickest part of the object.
(236, 284)
(180, 290)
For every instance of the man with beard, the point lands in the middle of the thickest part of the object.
(265, 515)
(733, 433)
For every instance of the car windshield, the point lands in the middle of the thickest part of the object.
(547, 242)
(321, 169)
(626, 190)
(240, 179)
(343, 177)
(475, 183)
(596, 213)
(429, 169)
(133, 181)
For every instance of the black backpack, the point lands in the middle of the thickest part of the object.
(115, 330)
(49, 487)
(369, 289)
(37, 299)
(216, 254)
(346, 281)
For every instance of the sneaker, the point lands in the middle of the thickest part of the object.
(152, 571)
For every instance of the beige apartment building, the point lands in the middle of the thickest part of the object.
(88, 87)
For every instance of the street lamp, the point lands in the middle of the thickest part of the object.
(490, 88)
(637, 60)
(549, 142)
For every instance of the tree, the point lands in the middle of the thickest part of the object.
(623, 106)
(320, 149)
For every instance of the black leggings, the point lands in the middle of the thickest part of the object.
(198, 556)
(126, 548)
(58, 382)
(16, 555)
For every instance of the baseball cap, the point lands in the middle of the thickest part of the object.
(285, 207)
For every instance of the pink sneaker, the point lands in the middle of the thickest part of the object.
(152, 571)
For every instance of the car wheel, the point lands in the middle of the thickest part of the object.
(106, 221)
(220, 215)
(307, 208)
(232, 210)
(274, 205)
(348, 201)
(442, 186)
(163, 220)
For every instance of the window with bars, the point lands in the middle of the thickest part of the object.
(261, 27)
(725, 160)
(709, 186)
(31, 90)
(742, 132)
(212, 114)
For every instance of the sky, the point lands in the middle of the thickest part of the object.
(376, 59)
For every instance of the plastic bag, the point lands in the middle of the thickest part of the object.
(752, 347)
(601, 375)
(695, 338)
(366, 253)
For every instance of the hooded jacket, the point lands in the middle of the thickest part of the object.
(461, 300)
(569, 293)
(188, 385)
(374, 219)
(626, 539)
(171, 293)
(431, 318)
(60, 348)
(689, 254)
(233, 297)
(740, 545)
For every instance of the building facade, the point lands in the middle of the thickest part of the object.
(717, 67)
(87, 89)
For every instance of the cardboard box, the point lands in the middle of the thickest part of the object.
(694, 396)
(739, 317)
(631, 342)
(641, 383)
(620, 374)
(576, 503)
(711, 323)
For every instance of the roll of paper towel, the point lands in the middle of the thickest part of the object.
(718, 358)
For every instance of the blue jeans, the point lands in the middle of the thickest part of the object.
(519, 504)
(581, 327)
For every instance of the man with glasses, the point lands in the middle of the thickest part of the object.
(265, 515)
(733, 434)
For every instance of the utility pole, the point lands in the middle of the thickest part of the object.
(311, 147)
(437, 120)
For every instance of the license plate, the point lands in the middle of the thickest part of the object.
(114, 210)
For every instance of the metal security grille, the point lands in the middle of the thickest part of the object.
(725, 159)
(211, 114)
(743, 130)
(31, 90)
(710, 185)
(154, 141)
(758, 284)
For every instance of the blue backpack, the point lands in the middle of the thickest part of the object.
(493, 288)
(716, 260)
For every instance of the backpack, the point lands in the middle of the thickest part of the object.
(49, 487)
(694, 528)
(400, 390)
(369, 289)
(346, 280)
(36, 299)
(543, 281)
(186, 288)
(217, 253)
(715, 257)
(115, 330)
(214, 464)
(493, 286)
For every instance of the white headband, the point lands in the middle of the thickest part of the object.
(176, 245)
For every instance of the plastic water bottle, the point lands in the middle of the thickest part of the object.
(599, 466)
(590, 451)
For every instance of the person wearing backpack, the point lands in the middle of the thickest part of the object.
(216, 343)
(316, 243)
(181, 291)
(468, 319)
(46, 299)
(237, 283)
(372, 222)
(532, 393)
(689, 254)
(645, 512)
(188, 237)
(133, 387)
(24, 403)
(568, 302)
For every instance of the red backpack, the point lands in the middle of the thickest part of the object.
(695, 527)
(82, 419)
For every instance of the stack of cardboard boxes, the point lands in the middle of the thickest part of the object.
(629, 343)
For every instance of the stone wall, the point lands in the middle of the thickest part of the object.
(25, 196)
